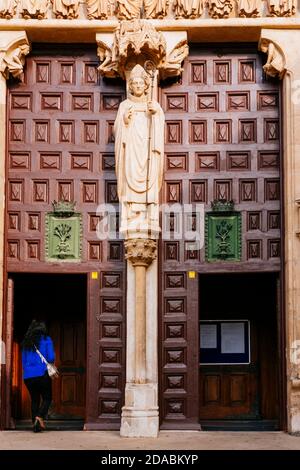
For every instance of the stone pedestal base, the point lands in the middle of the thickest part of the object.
(140, 413)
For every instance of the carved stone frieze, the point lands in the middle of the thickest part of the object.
(65, 9)
(128, 9)
(156, 8)
(8, 8)
(188, 8)
(34, 9)
(220, 8)
(14, 47)
(250, 8)
(141, 252)
(275, 65)
(282, 7)
(99, 9)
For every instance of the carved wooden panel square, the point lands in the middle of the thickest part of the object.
(173, 281)
(271, 130)
(112, 331)
(32, 250)
(175, 356)
(171, 250)
(111, 280)
(173, 132)
(272, 189)
(111, 355)
(109, 407)
(111, 102)
(268, 159)
(91, 73)
(110, 381)
(177, 161)
(191, 251)
(247, 130)
(115, 252)
(94, 251)
(247, 190)
(198, 132)
(42, 74)
(212, 389)
(247, 71)
(207, 161)
(17, 131)
(173, 191)
(208, 101)
(82, 102)
(33, 221)
(238, 101)
(42, 131)
(222, 132)
(238, 161)
(94, 220)
(175, 382)
(254, 249)
(176, 102)
(267, 100)
(65, 190)
(176, 330)
(222, 71)
(16, 190)
(51, 101)
(89, 191)
(19, 161)
(21, 101)
(14, 220)
(81, 161)
(223, 190)
(198, 72)
(110, 305)
(174, 305)
(111, 193)
(13, 249)
(273, 220)
(198, 191)
(91, 132)
(274, 248)
(253, 221)
(66, 131)
(67, 73)
(110, 132)
(107, 162)
(50, 161)
(175, 407)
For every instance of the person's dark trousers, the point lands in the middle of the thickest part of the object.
(39, 387)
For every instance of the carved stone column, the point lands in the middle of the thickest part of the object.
(283, 60)
(13, 49)
(137, 42)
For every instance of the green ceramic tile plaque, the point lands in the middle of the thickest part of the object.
(223, 236)
(63, 237)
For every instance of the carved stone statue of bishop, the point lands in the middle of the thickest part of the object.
(139, 150)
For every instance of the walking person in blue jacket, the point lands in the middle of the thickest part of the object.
(35, 373)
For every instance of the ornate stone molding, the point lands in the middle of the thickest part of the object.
(135, 42)
(141, 252)
(275, 65)
(14, 47)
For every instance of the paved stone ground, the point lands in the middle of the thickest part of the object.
(167, 440)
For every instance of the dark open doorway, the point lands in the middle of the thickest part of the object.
(239, 379)
(61, 301)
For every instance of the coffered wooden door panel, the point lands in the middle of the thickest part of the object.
(222, 141)
(61, 147)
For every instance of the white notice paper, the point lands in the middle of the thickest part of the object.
(208, 336)
(232, 338)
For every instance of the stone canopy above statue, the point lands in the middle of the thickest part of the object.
(146, 9)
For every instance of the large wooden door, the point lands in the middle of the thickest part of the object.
(61, 147)
(222, 143)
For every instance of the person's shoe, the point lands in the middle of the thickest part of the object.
(37, 425)
(42, 423)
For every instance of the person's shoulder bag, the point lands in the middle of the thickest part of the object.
(51, 369)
